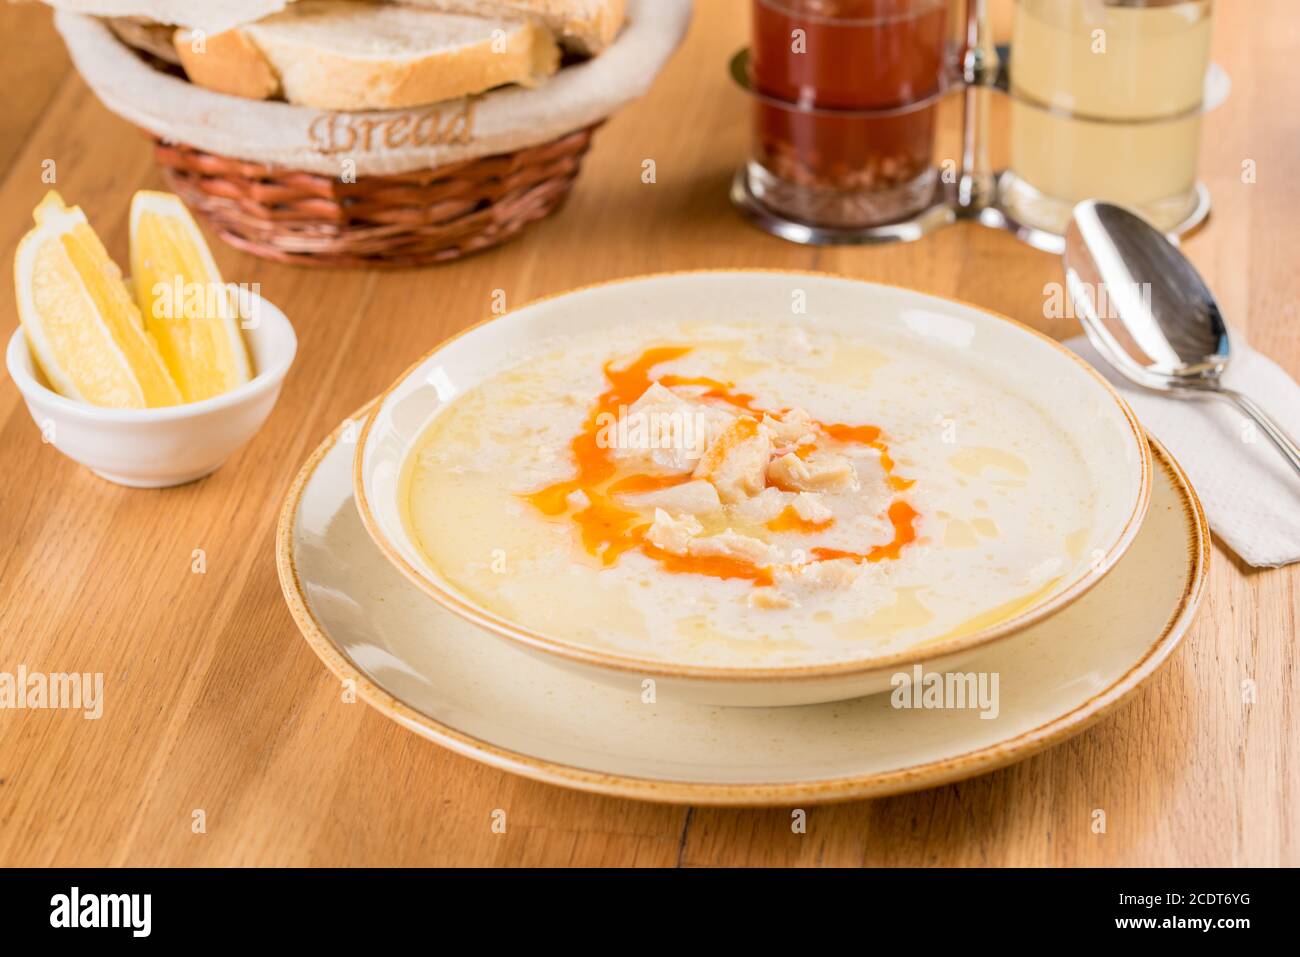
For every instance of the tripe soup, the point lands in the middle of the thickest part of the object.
(737, 494)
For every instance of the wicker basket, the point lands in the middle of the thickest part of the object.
(392, 221)
(431, 183)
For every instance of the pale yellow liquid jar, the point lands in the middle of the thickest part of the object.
(1107, 99)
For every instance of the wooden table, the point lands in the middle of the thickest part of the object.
(214, 702)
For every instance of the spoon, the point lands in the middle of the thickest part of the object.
(1148, 312)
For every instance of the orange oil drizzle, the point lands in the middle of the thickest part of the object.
(608, 529)
(637, 484)
(791, 521)
(715, 566)
(594, 464)
(869, 436)
(713, 389)
(862, 434)
(901, 516)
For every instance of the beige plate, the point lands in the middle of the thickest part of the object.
(439, 675)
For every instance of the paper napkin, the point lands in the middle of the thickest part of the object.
(1251, 495)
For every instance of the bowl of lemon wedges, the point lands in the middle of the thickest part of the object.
(152, 381)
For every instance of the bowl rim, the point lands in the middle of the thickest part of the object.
(855, 667)
(31, 387)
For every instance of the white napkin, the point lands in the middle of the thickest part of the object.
(1250, 493)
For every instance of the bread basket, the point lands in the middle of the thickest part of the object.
(374, 189)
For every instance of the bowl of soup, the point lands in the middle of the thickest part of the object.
(753, 487)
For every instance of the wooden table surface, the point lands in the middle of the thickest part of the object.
(213, 701)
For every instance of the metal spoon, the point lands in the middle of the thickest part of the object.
(1146, 309)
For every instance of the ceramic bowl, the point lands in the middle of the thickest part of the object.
(1069, 392)
(156, 448)
(432, 673)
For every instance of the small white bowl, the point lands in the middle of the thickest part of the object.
(156, 448)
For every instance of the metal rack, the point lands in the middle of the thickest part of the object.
(977, 194)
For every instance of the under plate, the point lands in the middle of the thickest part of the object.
(447, 680)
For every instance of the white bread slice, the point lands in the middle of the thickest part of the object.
(587, 26)
(345, 55)
(228, 62)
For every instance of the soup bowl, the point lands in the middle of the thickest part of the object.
(1019, 374)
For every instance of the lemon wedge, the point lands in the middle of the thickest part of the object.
(188, 310)
(51, 203)
(79, 320)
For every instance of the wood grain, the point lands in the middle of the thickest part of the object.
(213, 701)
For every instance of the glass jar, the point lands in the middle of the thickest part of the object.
(844, 95)
(1106, 103)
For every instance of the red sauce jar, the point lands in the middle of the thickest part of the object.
(845, 94)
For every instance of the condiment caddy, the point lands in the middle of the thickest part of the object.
(1106, 99)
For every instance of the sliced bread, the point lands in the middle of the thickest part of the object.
(587, 26)
(228, 62)
(344, 55)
